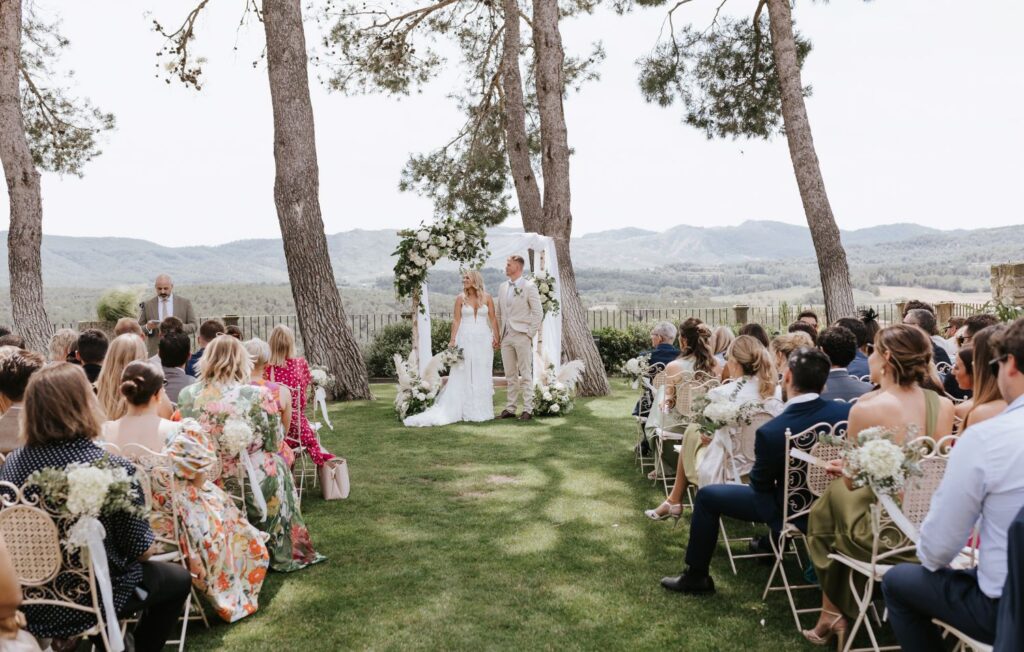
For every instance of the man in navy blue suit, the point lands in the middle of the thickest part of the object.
(761, 500)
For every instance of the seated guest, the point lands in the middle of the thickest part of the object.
(16, 368)
(974, 325)
(982, 483)
(127, 325)
(223, 392)
(761, 500)
(951, 329)
(963, 373)
(92, 350)
(259, 351)
(869, 318)
(783, 346)
(840, 345)
(234, 331)
(225, 553)
(804, 327)
(756, 331)
(124, 350)
(661, 353)
(695, 357)
(926, 321)
(13, 638)
(914, 304)
(209, 329)
(287, 368)
(142, 386)
(809, 317)
(858, 367)
(167, 326)
(60, 344)
(173, 358)
(756, 382)
(721, 339)
(839, 520)
(987, 401)
(12, 339)
(61, 421)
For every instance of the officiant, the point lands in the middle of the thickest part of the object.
(165, 304)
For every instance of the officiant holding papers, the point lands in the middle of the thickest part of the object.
(165, 304)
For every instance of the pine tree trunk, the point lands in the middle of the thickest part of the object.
(514, 120)
(326, 336)
(832, 265)
(25, 236)
(577, 341)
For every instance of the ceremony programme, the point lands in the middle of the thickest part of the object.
(518, 325)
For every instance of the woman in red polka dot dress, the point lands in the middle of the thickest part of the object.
(288, 369)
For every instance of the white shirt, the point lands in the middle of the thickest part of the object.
(512, 286)
(802, 398)
(165, 307)
(983, 478)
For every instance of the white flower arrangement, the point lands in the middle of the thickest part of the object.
(415, 394)
(876, 461)
(545, 283)
(236, 437)
(553, 393)
(419, 249)
(323, 378)
(636, 368)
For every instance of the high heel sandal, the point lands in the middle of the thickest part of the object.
(674, 511)
(836, 628)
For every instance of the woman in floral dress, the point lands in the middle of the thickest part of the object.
(226, 554)
(223, 400)
(259, 351)
(293, 372)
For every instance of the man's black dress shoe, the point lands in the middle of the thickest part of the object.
(507, 414)
(689, 585)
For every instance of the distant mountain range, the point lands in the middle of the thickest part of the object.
(360, 256)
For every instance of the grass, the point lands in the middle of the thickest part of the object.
(504, 535)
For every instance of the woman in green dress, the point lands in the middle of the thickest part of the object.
(228, 408)
(901, 367)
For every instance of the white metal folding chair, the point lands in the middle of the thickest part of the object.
(804, 484)
(895, 530)
(964, 643)
(688, 388)
(49, 574)
(742, 444)
(647, 401)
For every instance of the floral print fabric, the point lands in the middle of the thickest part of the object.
(226, 554)
(211, 405)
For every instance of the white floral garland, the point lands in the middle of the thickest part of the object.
(420, 249)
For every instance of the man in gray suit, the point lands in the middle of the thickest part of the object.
(840, 345)
(519, 318)
(165, 304)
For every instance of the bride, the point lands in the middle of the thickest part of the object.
(469, 394)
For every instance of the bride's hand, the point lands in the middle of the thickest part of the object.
(451, 344)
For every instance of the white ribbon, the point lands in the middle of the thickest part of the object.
(93, 533)
(257, 491)
(320, 401)
(898, 517)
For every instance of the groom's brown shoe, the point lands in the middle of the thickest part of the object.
(507, 414)
(525, 416)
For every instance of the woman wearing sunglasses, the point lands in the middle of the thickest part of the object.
(987, 401)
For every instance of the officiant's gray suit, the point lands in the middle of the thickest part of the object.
(519, 318)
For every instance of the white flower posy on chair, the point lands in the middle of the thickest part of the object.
(876, 461)
(636, 368)
(236, 437)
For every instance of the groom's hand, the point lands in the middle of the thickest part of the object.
(495, 344)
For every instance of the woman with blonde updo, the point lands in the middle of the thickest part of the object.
(839, 521)
(705, 459)
(784, 344)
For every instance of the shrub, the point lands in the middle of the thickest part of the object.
(616, 345)
(397, 338)
(115, 304)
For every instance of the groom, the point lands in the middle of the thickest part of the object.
(519, 319)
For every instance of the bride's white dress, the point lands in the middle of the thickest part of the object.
(469, 393)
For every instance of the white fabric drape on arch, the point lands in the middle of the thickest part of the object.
(502, 246)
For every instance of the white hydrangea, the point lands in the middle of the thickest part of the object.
(554, 408)
(881, 459)
(721, 411)
(443, 241)
(319, 376)
(460, 236)
(422, 235)
(547, 396)
(433, 252)
(236, 436)
(421, 396)
(87, 490)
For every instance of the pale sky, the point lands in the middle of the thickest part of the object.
(916, 117)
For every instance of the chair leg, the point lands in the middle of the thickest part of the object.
(728, 545)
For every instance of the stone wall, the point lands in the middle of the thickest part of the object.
(1008, 283)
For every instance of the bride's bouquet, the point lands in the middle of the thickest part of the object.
(452, 356)
(876, 461)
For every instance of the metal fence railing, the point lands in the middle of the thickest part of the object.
(365, 327)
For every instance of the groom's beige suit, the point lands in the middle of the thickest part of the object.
(519, 318)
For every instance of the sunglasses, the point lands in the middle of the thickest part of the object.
(994, 365)
(870, 348)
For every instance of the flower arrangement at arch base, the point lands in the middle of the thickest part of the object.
(417, 393)
(553, 393)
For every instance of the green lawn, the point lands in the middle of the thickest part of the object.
(506, 535)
